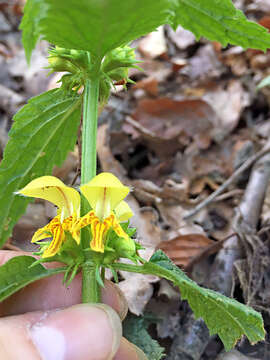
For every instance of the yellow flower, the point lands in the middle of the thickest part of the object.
(105, 194)
(66, 199)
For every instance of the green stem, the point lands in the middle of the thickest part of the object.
(89, 130)
(90, 287)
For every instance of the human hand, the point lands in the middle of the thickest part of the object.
(42, 321)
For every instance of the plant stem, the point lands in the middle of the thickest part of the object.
(89, 130)
(90, 287)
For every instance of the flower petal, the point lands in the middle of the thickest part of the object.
(104, 192)
(54, 190)
(55, 245)
(99, 230)
(123, 211)
(40, 234)
(112, 222)
(81, 223)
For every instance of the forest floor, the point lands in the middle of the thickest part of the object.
(194, 125)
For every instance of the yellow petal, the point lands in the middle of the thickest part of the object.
(54, 190)
(104, 192)
(41, 234)
(123, 212)
(112, 222)
(55, 245)
(99, 230)
(81, 223)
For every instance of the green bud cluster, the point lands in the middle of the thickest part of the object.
(74, 62)
(78, 66)
(114, 70)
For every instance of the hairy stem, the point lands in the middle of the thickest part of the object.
(89, 130)
(90, 287)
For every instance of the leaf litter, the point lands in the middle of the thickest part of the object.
(192, 118)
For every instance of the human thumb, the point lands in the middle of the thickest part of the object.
(81, 332)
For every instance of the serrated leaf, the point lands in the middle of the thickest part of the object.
(135, 331)
(30, 25)
(223, 316)
(100, 26)
(220, 21)
(43, 132)
(96, 26)
(16, 273)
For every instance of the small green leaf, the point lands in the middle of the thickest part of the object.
(223, 316)
(135, 331)
(43, 132)
(16, 273)
(264, 82)
(220, 21)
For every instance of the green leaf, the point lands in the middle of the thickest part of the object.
(223, 316)
(16, 273)
(264, 82)
(100, 26)
(43, 132)
(30, 26)
(96, 26)
(135, 331)
(220, 21)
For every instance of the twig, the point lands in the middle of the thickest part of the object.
(229, 181)
(229, 194)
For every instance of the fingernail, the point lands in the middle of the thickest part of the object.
(113, 296)
(80, 332)
(129, 351)
(123, 302)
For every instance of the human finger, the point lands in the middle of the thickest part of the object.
(80, 332)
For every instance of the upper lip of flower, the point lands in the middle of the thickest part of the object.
(104, 193)
(54, 190)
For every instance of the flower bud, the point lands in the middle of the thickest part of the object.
(60, 64)
(125, 248)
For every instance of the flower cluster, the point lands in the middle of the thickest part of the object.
(105, 194)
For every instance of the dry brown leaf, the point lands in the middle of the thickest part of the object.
(181, 37)
(149, 85)
(235, 58)
(198, 185)
(167, 125)
(183, 248)
(153, 44)
(138, 291)
(259, 5)
(228, 103)
(205, 64)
